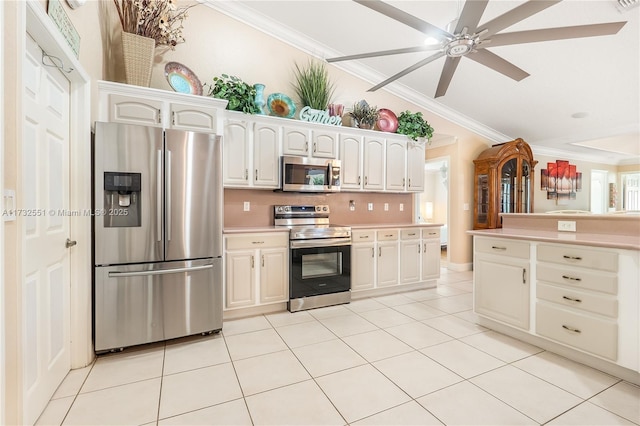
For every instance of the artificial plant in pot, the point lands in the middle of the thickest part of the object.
(312, 85)
(241, 95)
(414, 126)
(364, 114)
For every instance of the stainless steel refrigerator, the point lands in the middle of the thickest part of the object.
(157, 234)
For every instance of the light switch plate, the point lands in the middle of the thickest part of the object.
(370, 206)
(386, 207)
(401, 207)
(247, 206)
(567, 225)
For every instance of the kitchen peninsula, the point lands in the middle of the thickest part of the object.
(573, 292)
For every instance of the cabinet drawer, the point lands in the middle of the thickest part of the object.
(363, 236)
(257, 241)
(503, 247)
(578, 256)
(579, 278)
(410, 234)
(387, 235)
(600, 304)
(431, 233)
(594, 335)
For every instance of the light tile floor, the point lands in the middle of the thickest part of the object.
(415, 358)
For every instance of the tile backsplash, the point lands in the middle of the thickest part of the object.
(261, 204)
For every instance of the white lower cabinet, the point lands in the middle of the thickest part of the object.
(256, 269)
(430, 254)
(582, 298)
(501, 289)
(389, 257)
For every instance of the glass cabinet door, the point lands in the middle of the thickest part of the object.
(482, 187)
(508, 186)
(525, 188)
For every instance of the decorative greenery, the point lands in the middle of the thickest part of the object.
(241, 96)
(160, 20)
(363, 113)
(414, 126)
(313, 86)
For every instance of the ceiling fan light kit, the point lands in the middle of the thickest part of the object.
(471, 40)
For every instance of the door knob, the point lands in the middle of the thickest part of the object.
(70, 243)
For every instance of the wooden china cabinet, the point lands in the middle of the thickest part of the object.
(503, 181)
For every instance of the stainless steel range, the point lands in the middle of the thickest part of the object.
(319, 258)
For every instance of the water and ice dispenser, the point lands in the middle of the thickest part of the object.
(122, 199)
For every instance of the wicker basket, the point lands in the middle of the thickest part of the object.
(138, 52)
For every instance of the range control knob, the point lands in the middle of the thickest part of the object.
(325, 208)
(287, 208)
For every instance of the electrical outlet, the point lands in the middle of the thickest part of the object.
(370, 206)
(465, 206)
(401, 207)
(247, 206)
(352, 205)
(386, 207)
(567, 225)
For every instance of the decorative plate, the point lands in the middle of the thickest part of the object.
(281, 105)
(387, 121)
(182, 79)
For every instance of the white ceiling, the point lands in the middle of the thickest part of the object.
(596, 76)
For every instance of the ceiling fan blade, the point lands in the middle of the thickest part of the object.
(407, 71)
(495, 62)
(560, 33)
(471, 14)
(449, 68)
(406, 18)
(515, 15)
(386, 53)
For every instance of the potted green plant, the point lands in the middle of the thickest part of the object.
(312, 85)
(364, 115)
(414, 126)
(241, 95)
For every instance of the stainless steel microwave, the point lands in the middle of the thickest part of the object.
(302, 174)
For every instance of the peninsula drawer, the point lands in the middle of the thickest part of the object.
(590, 334)
(257, 241)
(431, 233)
(578, 277)
(503, 247)
(387, 235)
(410, 234)
(597, 303)
(578, 256)
(363, 236)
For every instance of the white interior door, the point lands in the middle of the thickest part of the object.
(45, 194)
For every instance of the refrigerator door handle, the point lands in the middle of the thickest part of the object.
(159, 196)
(168, 194)
(114, 274)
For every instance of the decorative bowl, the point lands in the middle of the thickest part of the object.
(182, 79)
(281, 105)
(387, 121)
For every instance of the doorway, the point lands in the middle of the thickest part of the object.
(433, 202)
(599, 190)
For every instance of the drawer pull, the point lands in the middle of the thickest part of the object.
(574, 330)
(566, 277)
(572, 299)
(363, 236)
(572, 257)
(257, 242)
(435, 233)
(498, 248)
(388, 235)
(412, 234)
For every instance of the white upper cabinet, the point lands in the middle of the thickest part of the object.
(190, 117)
(266, 144)
(396, 164)
(415, 166)
(296, 140)
(351, 157)
(373, 164)
(309, 142)
(236, 149)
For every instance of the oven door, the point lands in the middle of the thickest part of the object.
(319, 270)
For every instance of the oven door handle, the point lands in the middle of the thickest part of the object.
(325, 242)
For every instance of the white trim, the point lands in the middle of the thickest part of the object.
(49, 38)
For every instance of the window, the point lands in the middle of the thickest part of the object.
(631, 191)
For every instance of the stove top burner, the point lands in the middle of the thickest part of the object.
(308, 222)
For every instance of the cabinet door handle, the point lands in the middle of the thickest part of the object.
(173, 117)
(365, 180)
(373, 252)
(246, 174)
(572, 299)
(252, 262)
(573, 330)
(256, 176)
(379, 251)
(572, 257)
(306, 146)
(263, 260)
(566, 277)
(524, 275)
(498, 248)
(409, 182)
(315, 146)
(160, 117)
(419, 248)
(403, 181)
(358, 180)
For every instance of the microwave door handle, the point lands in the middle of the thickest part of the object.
(330, 171)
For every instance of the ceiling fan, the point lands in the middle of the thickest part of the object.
(471, 40)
